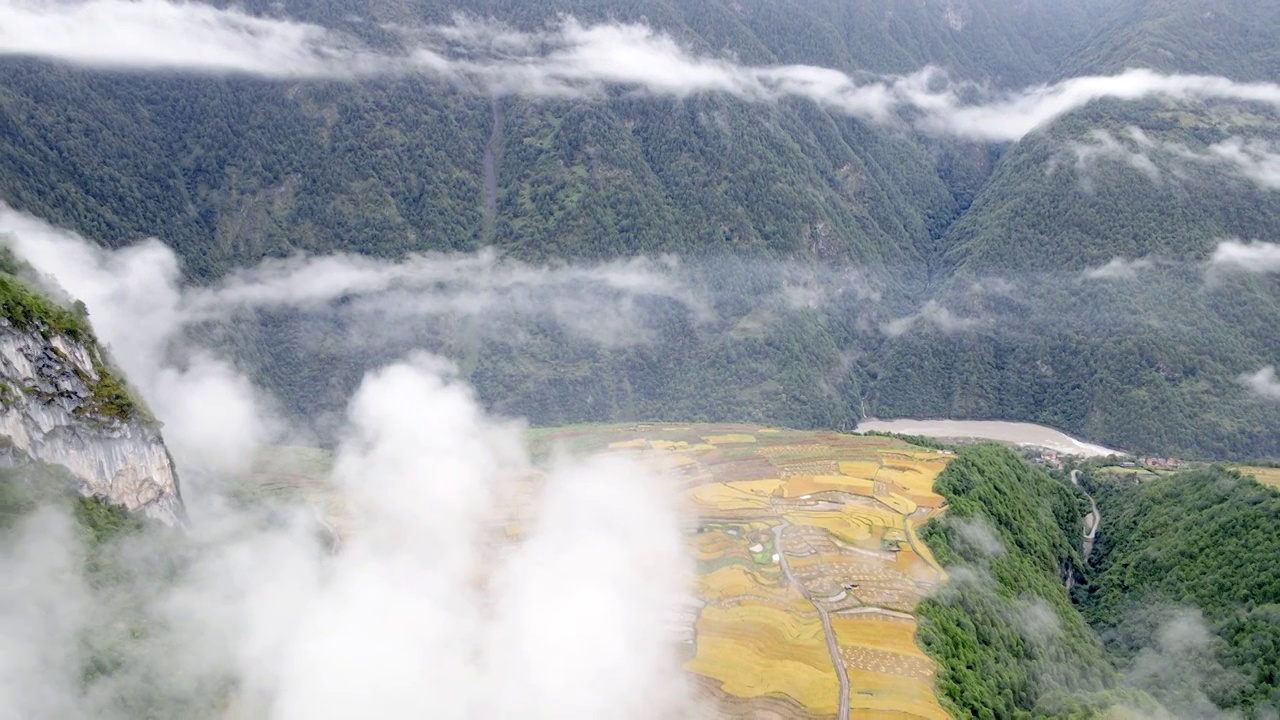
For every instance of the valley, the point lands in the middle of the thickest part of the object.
(473, 359)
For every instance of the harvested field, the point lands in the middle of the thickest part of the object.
(841, 511)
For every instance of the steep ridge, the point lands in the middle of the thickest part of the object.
(985, 308)
(1004, 632)
(1183, 594)
(61, 404)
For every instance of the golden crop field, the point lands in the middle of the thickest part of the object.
(1265, 475)
(794, 526)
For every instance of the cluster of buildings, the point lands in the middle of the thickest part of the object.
(1154, 463)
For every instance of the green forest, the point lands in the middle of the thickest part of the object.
(230, 170)
(1205, 540)
(1173, 615)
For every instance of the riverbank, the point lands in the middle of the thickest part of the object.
(1020, 434)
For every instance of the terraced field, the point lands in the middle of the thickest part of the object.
(809, 564)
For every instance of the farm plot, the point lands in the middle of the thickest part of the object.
(794, 526)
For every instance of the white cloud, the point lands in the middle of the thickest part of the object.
(1103, 145)
(1265, 383)
(212, 415)
(161, 35)
(427, 610)
(1251, 257)
(569, 60)
(596, 301)
(979, 535)
(1118, 269)
(1255, 159)
(934, 314)
(1019, 113)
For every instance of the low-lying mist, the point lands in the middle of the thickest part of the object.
(429, 608)
(426, 610)
(405, 371)
(277, 350)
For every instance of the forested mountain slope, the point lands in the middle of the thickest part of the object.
(230, 169)
(1184, 592)
(1173, 616)
(1004, 632)
(1220, 37)
(983, 282)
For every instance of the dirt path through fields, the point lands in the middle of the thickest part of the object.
(833, 646)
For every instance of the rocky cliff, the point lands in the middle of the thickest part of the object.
(61, 404)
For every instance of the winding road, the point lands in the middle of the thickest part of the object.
(1091, 521)
(832, 645)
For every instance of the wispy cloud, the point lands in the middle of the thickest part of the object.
(933, 314)
(1018, 113)
(1257, 160)
(161, 35)
(1264, 383)
(1102, 145)
(571, 59)
(1253, 159)
(1250, 257)
(1118, 269)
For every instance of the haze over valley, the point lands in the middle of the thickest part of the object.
(664, 359)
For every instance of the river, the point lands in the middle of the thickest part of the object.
(1009, 432)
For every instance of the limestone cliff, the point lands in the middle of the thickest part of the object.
(61, 404)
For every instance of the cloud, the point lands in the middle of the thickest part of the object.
(979, 535)
(1250, 257)
(569, 60)
(1264, 383)
(1104, 145)
(189, 36)
(1182, 663)
(1037, 620)
(933, 314)
(1255, 159)
(598, 301)
(213, 416)
(1019, 113)
(429, 608)
(40, 616)
(1118, 269)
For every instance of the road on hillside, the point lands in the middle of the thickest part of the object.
(1091, 521)
(832, 645)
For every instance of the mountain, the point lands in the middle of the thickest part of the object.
(63, 404)
(1004, 630)
(1232, 38)
(1169, 616)
(980, 249)
(1178, 569)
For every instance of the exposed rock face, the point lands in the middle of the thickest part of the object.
(49, 413)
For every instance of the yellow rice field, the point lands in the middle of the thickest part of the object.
(842, 512)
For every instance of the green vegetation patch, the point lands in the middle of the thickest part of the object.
(1007, 641)
(1190, 560)
(27, 309)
